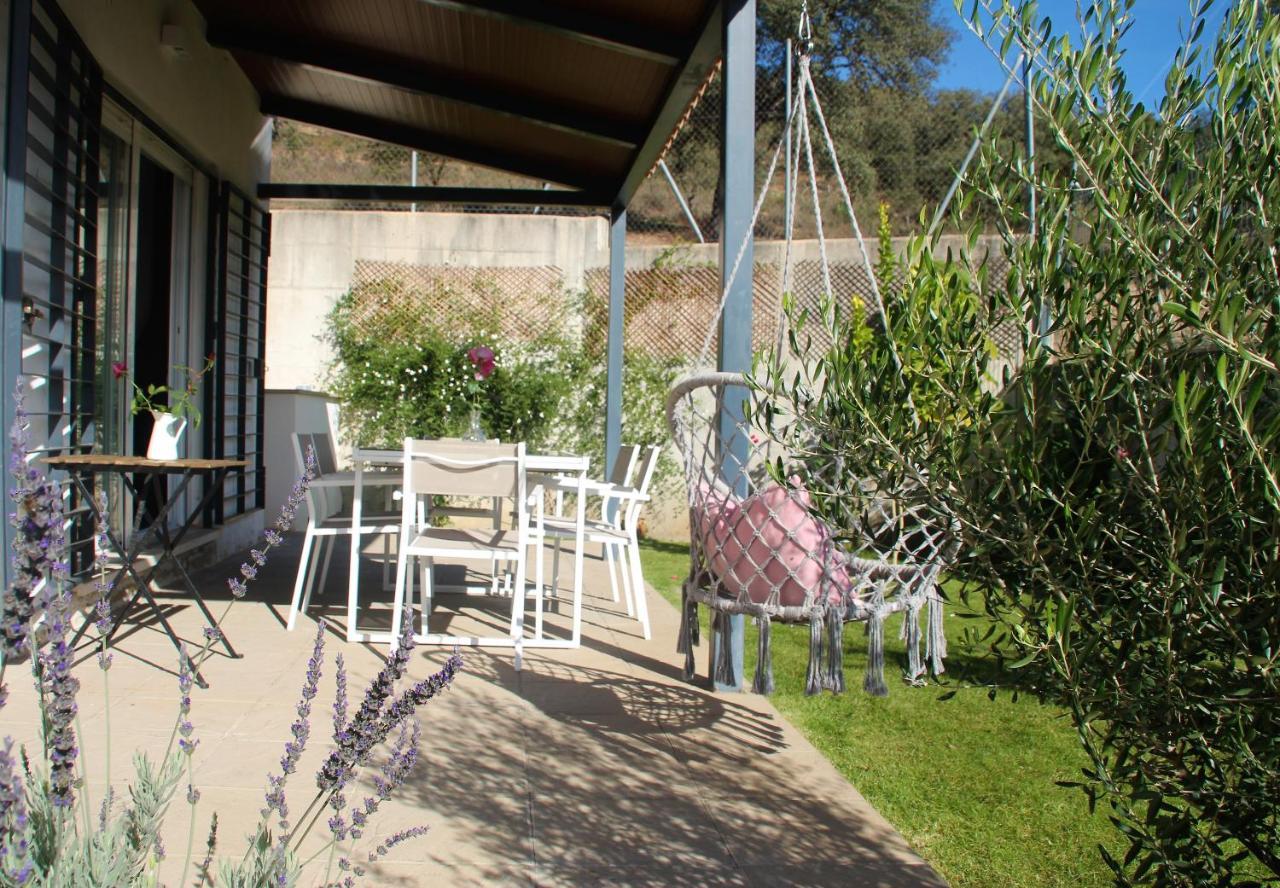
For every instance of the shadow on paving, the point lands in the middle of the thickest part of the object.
(595, 766)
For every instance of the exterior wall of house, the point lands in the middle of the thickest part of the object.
(198, 96)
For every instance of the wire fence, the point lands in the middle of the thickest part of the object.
(898, 149)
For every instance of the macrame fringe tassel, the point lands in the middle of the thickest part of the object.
(935, 644)
(683, 643)
(763, 682)
(911, 635)
(723, 674)
(874, 682)
(834, 679)
(688, 635)
(813, 680)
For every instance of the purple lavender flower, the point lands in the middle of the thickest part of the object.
(403, 836)
(102, 607)
(202, 871)
(185, 728)
(58, 689)
(420, 693)
(301, 730)
(39, 566)
(15, 862)
(339, 697)
(395, 770)
(193, 794)
(357, 739)
(274, 536)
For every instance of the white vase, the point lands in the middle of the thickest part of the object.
(165, 435)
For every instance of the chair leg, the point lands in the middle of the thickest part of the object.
(555, 569)
(304, 568)
(425, 593)
(628, 594)
(328, 558)
(613, 572)
(517, 604)
(323, 544)
(538, 590)
(397, 601)
(642, 603)
(386, 562)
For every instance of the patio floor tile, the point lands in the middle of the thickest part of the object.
(595, 766)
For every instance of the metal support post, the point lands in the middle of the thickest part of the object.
(613, 358)
(737, 165)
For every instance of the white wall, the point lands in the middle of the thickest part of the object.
(289, 412)
(200, 98)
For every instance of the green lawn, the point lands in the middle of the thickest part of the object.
(969, 782)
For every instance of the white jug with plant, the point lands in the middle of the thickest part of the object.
(170, 408)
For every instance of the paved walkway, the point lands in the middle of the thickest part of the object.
(596, 766)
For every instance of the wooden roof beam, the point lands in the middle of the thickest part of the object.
(410, 136)
(353, 64)
(433, 194)
(596, 30)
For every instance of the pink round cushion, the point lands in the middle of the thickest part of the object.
(770, 540)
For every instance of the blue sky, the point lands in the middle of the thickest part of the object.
(1149, 46)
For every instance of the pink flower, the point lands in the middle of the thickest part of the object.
(119, 368)
(1123, 453)
(481, 357)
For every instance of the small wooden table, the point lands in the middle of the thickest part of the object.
(142, 478)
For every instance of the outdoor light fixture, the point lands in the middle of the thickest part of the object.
(174, 40)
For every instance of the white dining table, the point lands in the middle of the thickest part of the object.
(545, 464)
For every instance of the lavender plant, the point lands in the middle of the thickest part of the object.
(50, 833)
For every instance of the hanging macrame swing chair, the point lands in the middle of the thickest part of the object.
(757, 545)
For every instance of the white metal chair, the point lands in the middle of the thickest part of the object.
(327, 518)
(615, 529)
(465, 469)
(623, 469)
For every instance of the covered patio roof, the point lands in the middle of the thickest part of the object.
(580, 93)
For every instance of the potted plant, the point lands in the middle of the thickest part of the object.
(170, 407)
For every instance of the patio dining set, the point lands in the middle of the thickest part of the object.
(492, 509)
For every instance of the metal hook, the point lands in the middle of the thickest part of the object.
(804, 30)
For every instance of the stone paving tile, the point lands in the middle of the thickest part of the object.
(705, 873)
(596, 766)
(436, 875)
(602, 829)
(862, 874)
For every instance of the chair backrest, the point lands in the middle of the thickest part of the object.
(325, 458)
(646, 466)
(624, 465)
(463, 468)
(322, 502)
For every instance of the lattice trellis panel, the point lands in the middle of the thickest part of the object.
(519, 302)
(669, 310)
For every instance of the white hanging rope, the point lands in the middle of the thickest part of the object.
(973, 148)
(742, 251)
(805, 138)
